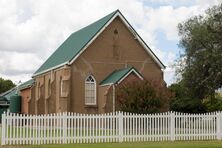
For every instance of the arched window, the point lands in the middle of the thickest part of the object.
(90, 90)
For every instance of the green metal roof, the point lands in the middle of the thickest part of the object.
(3, 98)
(13, 91)
(9, 93)
(3, 101)
(116, 75)
(74, 44)
(26, 84)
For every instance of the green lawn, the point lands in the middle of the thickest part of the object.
(177, 144)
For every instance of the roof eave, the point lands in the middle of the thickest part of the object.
(148, 49)
(106, 84)
(128, 73)
(47, 70)
(124, 76)
(29, 86)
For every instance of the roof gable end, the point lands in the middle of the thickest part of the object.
(132, 30)
(78, 42)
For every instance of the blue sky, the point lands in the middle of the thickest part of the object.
(30, 31)
(167, 45)
(174, 3)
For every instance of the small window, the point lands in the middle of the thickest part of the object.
(90, 90)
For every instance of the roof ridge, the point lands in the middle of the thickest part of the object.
(114, 12)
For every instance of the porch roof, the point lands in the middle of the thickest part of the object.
(118, 75)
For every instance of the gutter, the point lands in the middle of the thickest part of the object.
(47, 70)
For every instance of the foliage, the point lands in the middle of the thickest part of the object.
(5, 85)
(183, 102)
(142, 97)
(178, 90)
(200, 65)
(187, 105)
(213, 104)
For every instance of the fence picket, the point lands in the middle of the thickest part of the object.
(109, 127)
(91, 128)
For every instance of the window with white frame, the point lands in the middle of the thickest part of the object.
(90, 90)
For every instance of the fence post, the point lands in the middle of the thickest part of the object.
(218, 126)
(172, 126)
(120, 116)
(3, 128)
(64, 124)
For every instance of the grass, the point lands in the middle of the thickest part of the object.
(176, 144)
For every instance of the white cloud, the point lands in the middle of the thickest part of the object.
(32, 30)
(18, 63)
(166, 18)
(186, 2)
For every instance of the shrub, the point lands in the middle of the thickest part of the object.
(182, 101)
(142, 97)
(213, 103)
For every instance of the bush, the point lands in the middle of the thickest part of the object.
(142, 97)
(187, 105)
(213, 103)
(183, 102)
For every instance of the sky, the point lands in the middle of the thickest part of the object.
(31, 30)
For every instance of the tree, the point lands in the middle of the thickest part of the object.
(214, 104)
(182, 102)
(201, 39)
(142, 97)
(5, 85)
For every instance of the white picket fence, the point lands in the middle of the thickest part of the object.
(112, 127)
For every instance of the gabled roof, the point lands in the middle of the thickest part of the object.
(9, 93)
(3, 101)
(118, 75)
(77, 42)
(13, 91)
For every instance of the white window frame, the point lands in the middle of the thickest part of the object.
(86, 82)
